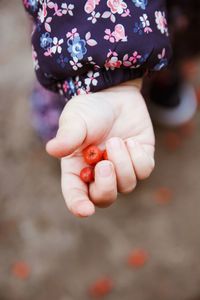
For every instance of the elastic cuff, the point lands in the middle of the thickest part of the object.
(95, 81)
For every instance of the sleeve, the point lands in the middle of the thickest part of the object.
(85, 46)
(32, 7)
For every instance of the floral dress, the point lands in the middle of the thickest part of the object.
(83, 46)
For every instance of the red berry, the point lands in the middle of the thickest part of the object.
(163, 195)
(138, 258)
(188, 129)
(87, 174)
(21, 270)
(101, 287)
(173, 141)
(92, 155)
(105, 155)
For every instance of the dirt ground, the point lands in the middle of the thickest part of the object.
(61, 256)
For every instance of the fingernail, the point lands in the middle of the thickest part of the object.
(114, 143)
(153, 162)
(105, 169)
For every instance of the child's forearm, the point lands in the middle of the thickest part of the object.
(86, 46)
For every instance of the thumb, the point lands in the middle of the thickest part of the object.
(70, 136)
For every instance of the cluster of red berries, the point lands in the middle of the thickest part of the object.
(92, 155)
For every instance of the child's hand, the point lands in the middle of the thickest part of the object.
(116, 119)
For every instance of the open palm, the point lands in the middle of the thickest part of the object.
(117, 120)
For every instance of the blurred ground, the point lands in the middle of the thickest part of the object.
(64, 255)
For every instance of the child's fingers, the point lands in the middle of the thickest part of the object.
(74, 190)
(70, 136)
(142, 158)
(103, 191)
(119, 156)
(78, 202)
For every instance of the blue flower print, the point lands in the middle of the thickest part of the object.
(141, 3)
(45, 41)
(71, 87)
(62, 61)
(162, 64)
(33, 4)
(39, 26)
(138, 28)
(77, 47)
(144, 58)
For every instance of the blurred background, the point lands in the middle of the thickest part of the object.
(145, 247)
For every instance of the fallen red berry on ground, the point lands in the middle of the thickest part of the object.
(172, 141)
(105, 155)
(21, 270)
(138, 258)
(87, 174)
(187, 130)
(92, 155)
(101, 287)
(163, 195)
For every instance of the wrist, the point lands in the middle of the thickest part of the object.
(137, 83)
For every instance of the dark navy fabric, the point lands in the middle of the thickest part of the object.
(84, 46)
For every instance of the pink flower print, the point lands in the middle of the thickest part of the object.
(135, 56)
(116, 6)
(65, 86)
(48, 52)
(91, 5)
(145, 23)
(130, 61)
(161, 22)
(119, 33)
(113, 62)
(47, 24)
(94, 17)
(72, 34)
(58, 11)
(42, 13)
(109, 36)
(67, 9)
